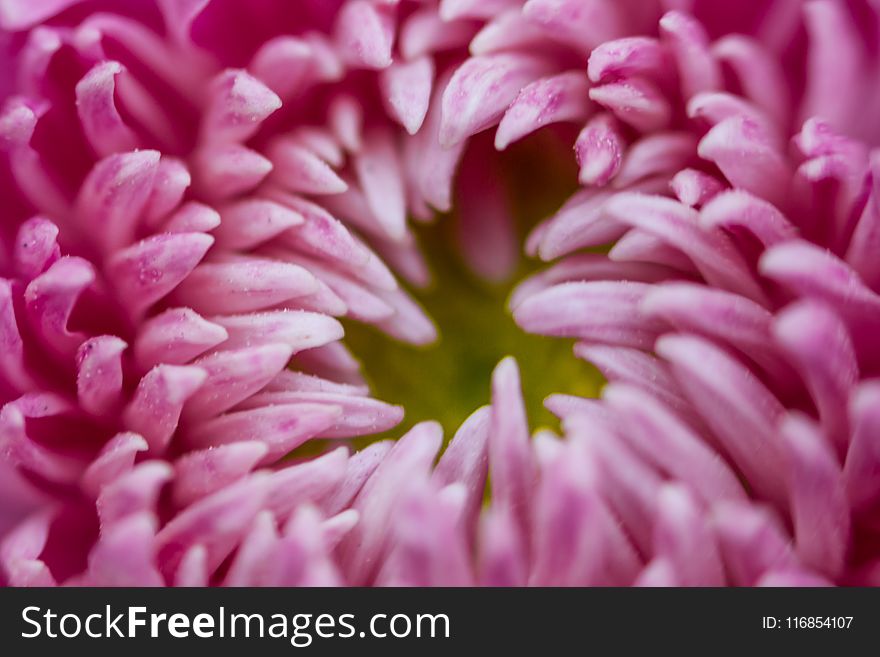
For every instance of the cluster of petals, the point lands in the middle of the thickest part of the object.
(184, 219)
(194, 190)
(726, 153)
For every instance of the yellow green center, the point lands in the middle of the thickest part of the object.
(448, 380)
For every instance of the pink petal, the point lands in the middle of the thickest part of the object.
(669, 443)
(834, 65)
(175, 337)
(217, 522)
(862, 463)
(746, 156)
(285, 64)
(20, 551)
(663, 153)
(481, 90)
(586, 267)
(125, 554)
(685, 538)
(36, 247)
(225, 170)
(453, 9)
(406, 89)
(99, 373)
(237, 104)
(758, 71)
(377, 501)
(300, 557)
(818, 344)
(300, 330)
(865, 240)
(712, 252)
(346, 117)
(816, 273)
(639, 246)
(202, 472)
(360, 302)
(659, 573)
(739, 409)
(243, 284)
(193, 569)
(113, 195)
(581, 24)
(360, 468)
(739, 210)
(695, 188)
(252, 559)
(249, 222)
(428, 549)
(465, 461)
(328, 239)
(321, 142)
(307, 482)
(636, 368)
(20, 450)
(21, 14)
(751, 541)
(192, 217)
(502, 558)
(626, 481)
(298, 169)
(365, 34)
(359, 415)
(715, 107)
(410, 323)
(147, 271)
(280, 427)
(793, 578)
(49, 300)
(635, 102)
(599, 150)
(233, 376)
(572, 526)
(380, 176)
(116, 457)
(485, 230)
(156, 404)
(508, 30)
(723, 316)
(291, 381)
(169, 186)
(510, 457)
(95, 103)
(132, 493)
(626, 58)
(820, 509)
(560, 98)
(689, 44)
(18, 121)
(598, 311)
(13, 369)
(424, 32)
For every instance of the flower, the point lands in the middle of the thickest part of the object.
(188, 211)
(729, 160)
(170, 245)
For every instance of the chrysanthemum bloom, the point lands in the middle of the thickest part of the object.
(149, 400)
(736, 316)
(168, 245)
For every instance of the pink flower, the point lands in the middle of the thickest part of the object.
(735, 316)
(194, 190)
(170, 245)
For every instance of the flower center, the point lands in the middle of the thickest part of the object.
(448, 380)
